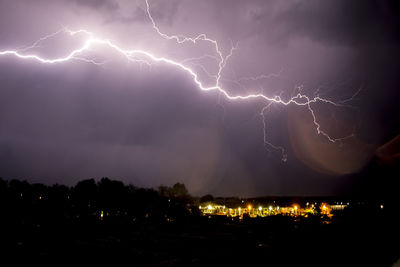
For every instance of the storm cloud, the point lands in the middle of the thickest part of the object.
(152, 125)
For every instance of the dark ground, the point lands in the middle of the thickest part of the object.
(354, 238)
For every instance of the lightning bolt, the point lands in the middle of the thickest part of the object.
(149, 58)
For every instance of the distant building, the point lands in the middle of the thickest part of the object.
(338, 207)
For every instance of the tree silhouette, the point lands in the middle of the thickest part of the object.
(206, 198)
(179, 190)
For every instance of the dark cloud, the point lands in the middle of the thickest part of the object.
(342, 22)
(163, 12)
(108, 5)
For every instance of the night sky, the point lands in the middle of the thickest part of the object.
(151, 124)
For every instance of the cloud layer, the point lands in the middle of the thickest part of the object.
(151, 125)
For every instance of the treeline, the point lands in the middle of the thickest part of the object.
(89, 201)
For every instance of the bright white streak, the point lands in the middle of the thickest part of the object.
(137, 55)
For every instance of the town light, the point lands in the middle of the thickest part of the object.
(209, 207)
(260, 208)
(249, 207)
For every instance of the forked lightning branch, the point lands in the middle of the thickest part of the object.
(92, 41)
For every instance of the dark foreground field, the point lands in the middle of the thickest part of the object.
(109, 222)
(352, 239)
